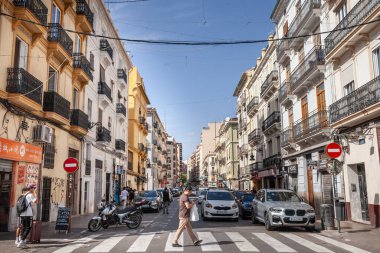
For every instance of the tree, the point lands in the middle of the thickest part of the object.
(183, 179)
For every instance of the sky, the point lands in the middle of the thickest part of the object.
(193, 85)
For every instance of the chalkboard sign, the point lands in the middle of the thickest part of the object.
(63, 219)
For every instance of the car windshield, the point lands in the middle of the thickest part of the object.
(283, 196)
(239, 194)
(219, 196)
(203, 193)
(248, 198)
(149, 194)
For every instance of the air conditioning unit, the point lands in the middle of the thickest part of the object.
(42, 134)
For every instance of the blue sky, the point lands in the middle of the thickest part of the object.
(193, 85)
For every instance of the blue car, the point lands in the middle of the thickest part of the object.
(245, 205)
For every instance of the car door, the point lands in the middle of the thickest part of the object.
(261, 205)
(255, 203)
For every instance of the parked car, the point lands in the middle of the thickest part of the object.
(175, 192)
(201, 196)
(219, 204)
(153, 198)
(161, 190)
(193, 196)
(282, 208)
(239, 194)
(245, 205)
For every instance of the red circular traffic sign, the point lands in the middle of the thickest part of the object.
(70, 165)
(333, 150)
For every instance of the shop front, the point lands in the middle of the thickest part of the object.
(290, 176)
(270, 178)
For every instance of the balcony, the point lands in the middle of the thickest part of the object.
(20, 81)
(313, 129)
(82, 69)
(105, 94)
(121, 112)
(33, 10)
(122, 77)
(243, 99)
(272, 124)
(287, 139)
(120, 146)
(270, 85)
(272, 161)
(254, 137)
(306, 20)
(79, 122)
(87, 171)
(60, 44)
(308, 71)
(340, 39)
(255, 167)
(283, 51)
(85, 18)
(103, 135)
(359, 106)
(285, 94)
(106, 52)
(141, 147)
(56, 108)
(142, 123)
(243, 150)
(253, 106)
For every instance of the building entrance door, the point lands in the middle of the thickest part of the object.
(363, 192)
(5, 192)
(310, 188)
(46, 193)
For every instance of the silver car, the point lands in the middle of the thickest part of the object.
(282, 208)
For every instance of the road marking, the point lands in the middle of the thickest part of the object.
(274, 243)
(76, 244)
(209, 242)
(308, 244)
(108, 244)
(169, 247)
(142, 243)
(340, 244)
(240, 242)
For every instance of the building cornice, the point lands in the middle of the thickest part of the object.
(278, 10)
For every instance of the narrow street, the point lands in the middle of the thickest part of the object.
(157, 231)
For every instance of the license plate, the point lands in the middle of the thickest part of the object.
(221, 212)
(295, 218)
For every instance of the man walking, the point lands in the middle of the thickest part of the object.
(166, 200)
(184, 218)
(27, 215)
(124, 196)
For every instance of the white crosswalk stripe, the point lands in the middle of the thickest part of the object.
(242, 243)
(306, 243)
(209, 242)
(142, 243)
(169, 247)
(274, 243)
(340, 244)
(76, 244)
(108, 244)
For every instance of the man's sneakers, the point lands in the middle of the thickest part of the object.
(197, 243)
(22, 245)
(176, 245)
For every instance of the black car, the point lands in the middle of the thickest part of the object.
(245, 205)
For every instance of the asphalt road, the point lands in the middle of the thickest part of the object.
(155, 235)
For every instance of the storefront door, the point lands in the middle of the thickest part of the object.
(310, 188)
(5, 192)
(46, 193)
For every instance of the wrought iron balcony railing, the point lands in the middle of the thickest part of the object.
(120, 108)
(285, 91)
(104, 89)
(253, 103)
(316, 121)
(53, 102)
(286, 136)
(103, 134)
(122, 75)
(120, 145)
(105, 46)
(254, 136)
(272, 160)
(273, 76)
(356, 16)
(37, 7)
(80, 61)
(254, 167)
(142, 120)
(141, 147)
(79, 118)
(22, 82)
(282, 47)
(57, 34)
(306, 11)
(271, 120)
(84, 9)
(358, 100)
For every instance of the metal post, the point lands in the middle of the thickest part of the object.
(335, 190)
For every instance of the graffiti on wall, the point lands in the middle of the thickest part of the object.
(57, 191)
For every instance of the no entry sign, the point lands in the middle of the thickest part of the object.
(70, 165)
(333, 150)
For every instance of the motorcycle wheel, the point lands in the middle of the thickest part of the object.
(94, 226)
(136, 221)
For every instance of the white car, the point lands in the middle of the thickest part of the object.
(219, 204)
(202, 195)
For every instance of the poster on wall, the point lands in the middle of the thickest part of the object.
(21, 174)
(31, 174)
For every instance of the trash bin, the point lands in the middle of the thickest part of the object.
(327, 216)
(340, 209)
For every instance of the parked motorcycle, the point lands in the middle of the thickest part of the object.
(110, 215)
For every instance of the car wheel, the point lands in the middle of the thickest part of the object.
(310, 229)
(267, 223)
(236, 219)
(205, 218)
(253, 218)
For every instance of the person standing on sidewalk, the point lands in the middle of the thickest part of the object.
(166, 200)
(124, 196)
(19, 227)
(27, 215)
(184, 218)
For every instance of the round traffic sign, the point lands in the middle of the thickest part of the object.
(333, 150)
(70, 165)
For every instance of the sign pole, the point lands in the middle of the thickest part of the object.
(335, 194)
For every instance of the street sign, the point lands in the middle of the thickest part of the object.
(333, 150)
(70, 165)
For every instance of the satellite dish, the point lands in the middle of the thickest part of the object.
(338, 167)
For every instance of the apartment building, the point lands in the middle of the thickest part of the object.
(352, 79)
(137, 131)
(157, 151)
(172, 162)
(209, 173)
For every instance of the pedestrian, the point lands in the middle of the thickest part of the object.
(27, 215)
(132, 197)
(184, 218)
(19, 227)
(166, 200)
(124, 196)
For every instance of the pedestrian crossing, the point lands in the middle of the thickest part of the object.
(212, 242)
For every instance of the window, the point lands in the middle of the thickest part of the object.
(88, 151)
(100, 116)
(102, 74)
(348, 88)
(53, 80)
(89, 110)
(55, 14)
(109, 123)
(21, 54)
(376, 61)
(77, 44)
(270, 148)
(92, 61)
(75, 99)
(341, 12)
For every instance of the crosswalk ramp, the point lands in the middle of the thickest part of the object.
(212, 242)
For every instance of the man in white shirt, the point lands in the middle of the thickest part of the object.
(27, 215)
(124, 196)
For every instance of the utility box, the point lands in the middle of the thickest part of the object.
(340, 210)
(327, 216)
